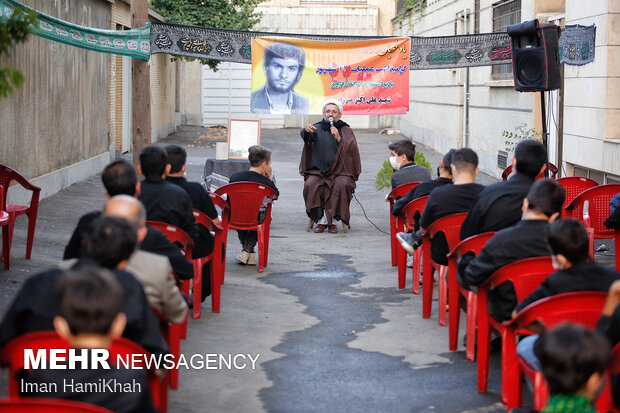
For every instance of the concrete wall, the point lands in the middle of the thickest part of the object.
(60, 117)
(188, 95)
(163, 96)
(436, 113)
(592, 92)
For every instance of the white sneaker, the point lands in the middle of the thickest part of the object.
(251, 258)
(243, 257)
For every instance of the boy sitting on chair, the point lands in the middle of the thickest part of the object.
(89, 317)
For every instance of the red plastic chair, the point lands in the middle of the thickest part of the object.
(4, 223)
(574, 185)
(6, 176)
(215, 259)
(31, 405)
(593, 217)
(12, 355)
(224, 207)
(246, 199)
(525, 275)
(582, 307)
(406, 220)
(180, 237)
(451, 227)
(396, 193)
(605, 402)
(171, 332)
(473, 245)
(552, 169)
(616, 244)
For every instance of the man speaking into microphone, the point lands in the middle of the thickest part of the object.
(330, 164)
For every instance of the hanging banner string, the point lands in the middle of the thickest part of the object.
(134, 43)
(426, 52)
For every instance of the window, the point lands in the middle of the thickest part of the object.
(505, 14)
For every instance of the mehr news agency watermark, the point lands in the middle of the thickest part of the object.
(93, 359)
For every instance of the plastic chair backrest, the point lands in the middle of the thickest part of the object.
(553, 170)
(598, 199)
(582, 307)
(7, 175)
(400, 191)
(450, 225)
(525, 275)
(246, 198)
(175, 234)
(417, 205)
(31, 405)
(473, 244)
(4, 216)
(574, 185)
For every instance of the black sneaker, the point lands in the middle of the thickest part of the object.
(409, 242)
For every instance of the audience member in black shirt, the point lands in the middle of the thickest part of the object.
(568, 241)
(164, 201)
(109, 243)
(119, 178)
(90, 301)
(447, 200)
(444, 173)
(527, 239)
(499, 205)
(260, 171)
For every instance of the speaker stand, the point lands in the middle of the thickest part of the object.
(544, 129)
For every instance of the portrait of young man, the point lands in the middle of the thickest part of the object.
(283, 64)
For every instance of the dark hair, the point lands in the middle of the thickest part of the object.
(404, 146)
(569, 355)
(119, 178)
(531, 156)
(546, 196)
(110, 240)
(568, 236)
(464, 158)
(89, 299)
(285, 51)
(177, 157)
(447, 160)
(258, 155)
(153, 160)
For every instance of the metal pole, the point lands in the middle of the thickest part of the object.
(544, 128)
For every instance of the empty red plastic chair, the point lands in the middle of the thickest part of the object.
(406, 221)
(246, 200)
(553, 171)
(582, 307)
(214, 259)
(574, 185)
(525, 275)
(179, 237)
(396, 193)
(6, 176)
(598, 199)
(4, 223)
(473, 245)
(451, 227)
(171, 332)
(38, 405)
(12, 355)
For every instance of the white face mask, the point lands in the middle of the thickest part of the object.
(393, 162)
(555, 264)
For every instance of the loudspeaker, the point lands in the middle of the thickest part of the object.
(535, 58)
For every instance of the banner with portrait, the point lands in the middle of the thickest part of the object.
(296, 76)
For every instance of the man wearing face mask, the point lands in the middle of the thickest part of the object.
(402, 159)
(330, 164)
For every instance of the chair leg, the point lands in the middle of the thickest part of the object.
(443, 295)
(216, 285)
(454, 308)
(344, 227)
(197, 288)
(393, 242)
(32, 222)
(427, 273)
(417, 263)
(402, 266)
(6, 247)
(267, 225)
(261, 246)
(472, 310)
(484, 347)
(310, 225)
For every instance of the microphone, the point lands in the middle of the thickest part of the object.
(331, 121)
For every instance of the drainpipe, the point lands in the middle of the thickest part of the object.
(463, 16)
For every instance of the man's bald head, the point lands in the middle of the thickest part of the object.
(125, 206)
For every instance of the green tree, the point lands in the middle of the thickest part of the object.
(13, 30)
(221, 14)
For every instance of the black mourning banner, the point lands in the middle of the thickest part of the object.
(444, 52)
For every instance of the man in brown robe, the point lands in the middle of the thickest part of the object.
(330, 164)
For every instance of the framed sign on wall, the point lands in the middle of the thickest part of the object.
(242, 133)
